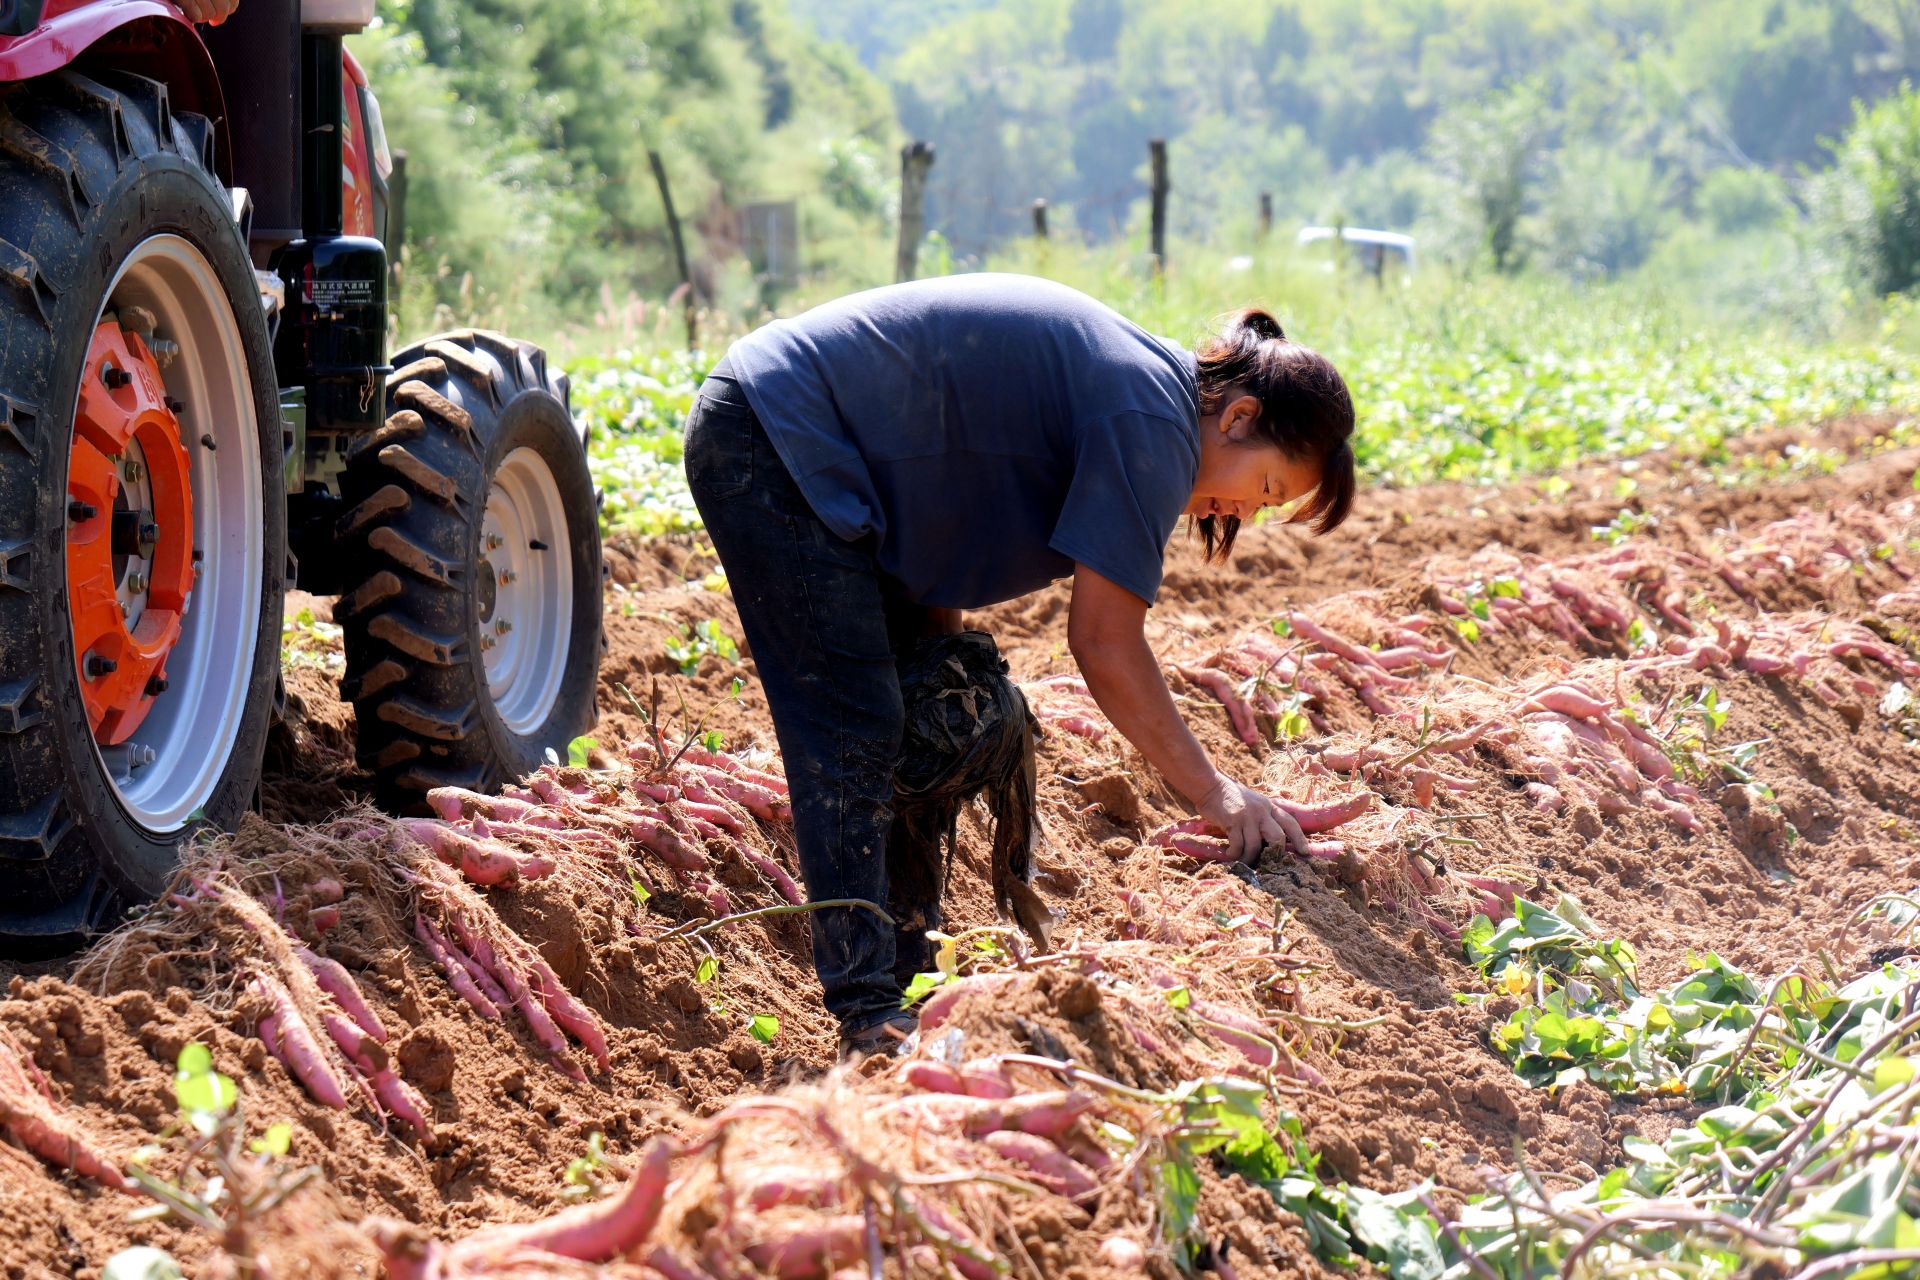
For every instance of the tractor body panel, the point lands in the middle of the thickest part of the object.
(148, 37)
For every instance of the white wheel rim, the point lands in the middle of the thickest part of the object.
(526, 591)
(166, 772)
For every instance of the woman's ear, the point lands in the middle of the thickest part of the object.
(1238, 418)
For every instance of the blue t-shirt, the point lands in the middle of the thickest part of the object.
(988, 431)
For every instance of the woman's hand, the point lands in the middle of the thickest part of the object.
(209, 11)
(1251, 820)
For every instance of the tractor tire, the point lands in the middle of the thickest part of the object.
(110, 211)
(472, 532)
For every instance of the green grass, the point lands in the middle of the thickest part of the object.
(1475, 380)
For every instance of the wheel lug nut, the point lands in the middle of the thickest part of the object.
(508, 577)
(80, 512)
(156, 685)
(115, 378)
(198, 555)
(131, 471)
(136, 582)
(175, 406)
(502, 627)
(206, 442)
(486, 642)
(97, 666)
(495, 542)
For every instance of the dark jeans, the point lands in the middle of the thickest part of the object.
(822, 624)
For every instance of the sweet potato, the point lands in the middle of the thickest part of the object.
(483, 862)
(654, 834)
(395, 1095)
(597, 1232)
(338, 983)
(468, 980)
(1046, 1163)
(939, 1006)
(1328, 814)
(760, 801)
(794, 1185)
(811, 1251)
(671, 1266)
(573, 1017)
(298, 1048)
(1221, 687)
(42, 1128)
(516, 986)
(1307, 629)
(1253, 1040)
(783, 883)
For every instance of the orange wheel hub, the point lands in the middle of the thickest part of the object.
(130, 562)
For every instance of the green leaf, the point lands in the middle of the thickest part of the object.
(1480, 608)
(709, 965)
(641, 894)
(1468, 629)
(713, 740)
(763, 1027)
(1178, 997)
(203, 1093)
(578, 750)
(1282, 628)
(276, 1141)
(1504, 588)
(921, 986)
(1891, 1072)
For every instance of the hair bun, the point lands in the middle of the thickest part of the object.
(1261, 324)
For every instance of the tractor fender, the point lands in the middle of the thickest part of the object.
(148, 37)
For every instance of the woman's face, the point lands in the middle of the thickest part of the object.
(1238, 476)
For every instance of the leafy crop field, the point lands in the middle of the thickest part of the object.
(1602, 962)
(1483, 382)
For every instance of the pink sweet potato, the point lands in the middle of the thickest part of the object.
(462, 973)
(939, 1006)
(573, 1017)
(37, 1124)
(338, 983)
(399, 1098)
(482, 861)
(1220, 685)
(1328, 814)
(813, 1250)
(299, 1050)
(802, 1185)
(597, 1232)
(1046, 1163)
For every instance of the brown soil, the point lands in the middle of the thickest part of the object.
(1416, 1094)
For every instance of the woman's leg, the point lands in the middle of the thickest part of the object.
(816, 625)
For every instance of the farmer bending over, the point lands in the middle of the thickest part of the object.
(874, 466)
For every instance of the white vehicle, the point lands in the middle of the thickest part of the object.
(1372, 250)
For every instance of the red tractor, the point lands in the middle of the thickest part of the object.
(197, 411)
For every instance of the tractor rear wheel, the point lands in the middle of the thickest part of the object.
(142, 527)
(472, 532)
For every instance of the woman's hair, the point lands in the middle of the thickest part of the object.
(1305, 409)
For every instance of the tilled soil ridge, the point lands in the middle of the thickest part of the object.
(1486, 697)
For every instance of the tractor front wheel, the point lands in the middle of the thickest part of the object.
(472, 532)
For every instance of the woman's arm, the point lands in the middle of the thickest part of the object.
(1106, 630)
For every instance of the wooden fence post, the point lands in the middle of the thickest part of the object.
(396, 215)
(1040, 219)
(679, 246)
(915, 159)
(1266, 215)
(1157, 157)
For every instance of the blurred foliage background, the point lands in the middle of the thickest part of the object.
(1641, 224)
